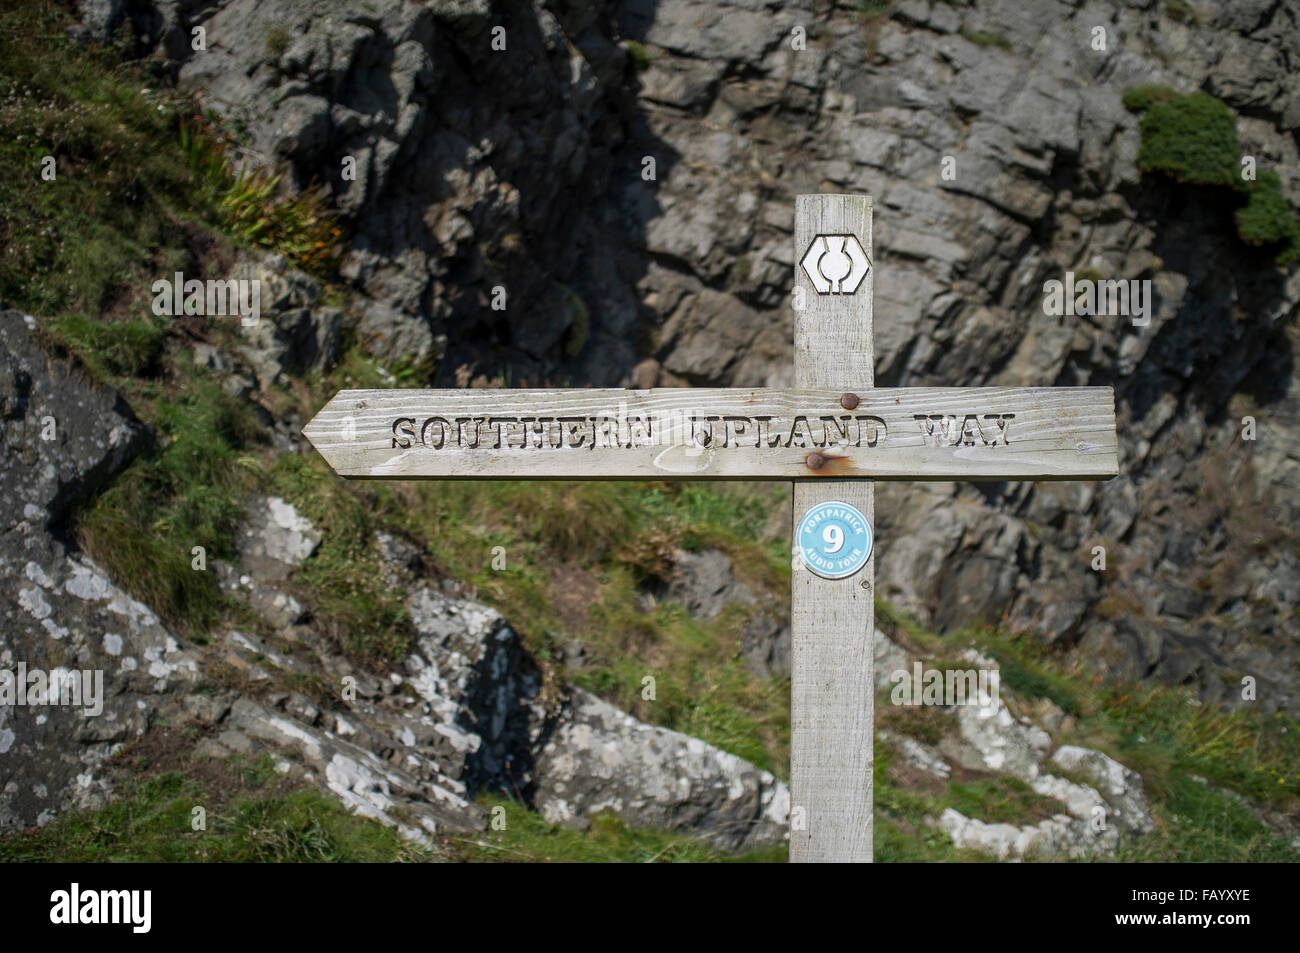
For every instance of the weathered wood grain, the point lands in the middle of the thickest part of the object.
(979, 433)
(832, 620)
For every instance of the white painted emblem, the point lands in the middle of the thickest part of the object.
(835, 264)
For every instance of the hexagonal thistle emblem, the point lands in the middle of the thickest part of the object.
(835, 264)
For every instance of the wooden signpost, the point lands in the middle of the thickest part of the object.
(832, 435)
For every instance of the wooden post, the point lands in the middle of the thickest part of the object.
(832, 620)
(910, 433)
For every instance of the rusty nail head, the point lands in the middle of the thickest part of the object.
(849, 401)
(814, 461)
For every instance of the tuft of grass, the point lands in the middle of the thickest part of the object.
(369, 621)
(1191, 139)
(1267, 218)
(529, 838)
(69, 245)
(277, 41)
(1003, 799)
(638, 54)
(143, 527)
(1181, 11)
(870, 10)
(302, 226)
(579, 325)
(987, 39)
(131, 348)
(1141, 98)
(152, 824)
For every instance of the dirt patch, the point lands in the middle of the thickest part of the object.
(575, 590)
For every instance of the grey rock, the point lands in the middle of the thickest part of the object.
(601, 759)
(91, 431)
(274, 540)
(704, 584)
(1119, 785)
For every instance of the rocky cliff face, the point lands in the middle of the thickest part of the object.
(525, 168)
(409, 747)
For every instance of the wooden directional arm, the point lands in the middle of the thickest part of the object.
(910, 433)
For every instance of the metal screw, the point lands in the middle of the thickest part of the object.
(814, 461)
(849, 401)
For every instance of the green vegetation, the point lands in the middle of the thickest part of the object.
(300, 226)
(579, 324)
(277, 41)
(112, 349)
(1141, 98)
(987, 39)
(874, 9)
(1003, 800)
(1198, 763)
(1182, 12)
(368, 619)
(528, 838)
(140, 193)
(1198, 822)
(152, 822)
(143, 528)
(1267, 219)
(639, 55)
(1193, 139)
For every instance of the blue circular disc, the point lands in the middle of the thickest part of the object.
(834, 539)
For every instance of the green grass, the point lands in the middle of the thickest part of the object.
(368, 619)
(1142, 98)
(621, 536)
(70, 244)
(1267, 218)
(152, 821)
(1024, 663)
(112, 349)
(639, 55)
(1198, 823)
(1001, 800)
(988, 39)
(1191, 139)
(874, 9)
(143, 527)
(529, 838)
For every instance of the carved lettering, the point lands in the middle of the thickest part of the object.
(949, 430)
(431, 438)
(795, 433)
(733, 429)
(403, 427)
(705, 431)
(871, 431)
(841, 428)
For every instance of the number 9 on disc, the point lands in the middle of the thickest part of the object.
(834, 539)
